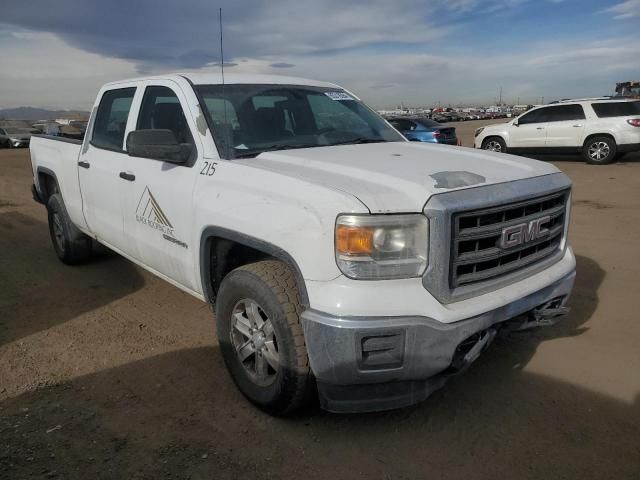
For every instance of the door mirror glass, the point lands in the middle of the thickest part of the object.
(158, 144)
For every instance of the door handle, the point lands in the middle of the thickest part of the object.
(539, 128)
(130, 177)
(577, 126)
(84, 164)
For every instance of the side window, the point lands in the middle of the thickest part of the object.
(535, 116)
(111, 118)
(2, 132)
(560, 113)
(161, 109)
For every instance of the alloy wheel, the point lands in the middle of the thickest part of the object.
(599, 150)
(254, 340)
(58, 232)
(493, 146)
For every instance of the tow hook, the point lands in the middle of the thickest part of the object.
(482, 340)
(546, 314)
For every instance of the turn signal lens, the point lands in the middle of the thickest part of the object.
(354, 240)
(374, 247)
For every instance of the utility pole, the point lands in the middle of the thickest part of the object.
(500, 104)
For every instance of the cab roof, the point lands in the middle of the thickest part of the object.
(231, 78)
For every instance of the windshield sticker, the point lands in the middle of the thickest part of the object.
(339, 96)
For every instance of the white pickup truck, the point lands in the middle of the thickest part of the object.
(342, 260)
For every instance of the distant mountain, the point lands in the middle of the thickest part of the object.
(30, 113)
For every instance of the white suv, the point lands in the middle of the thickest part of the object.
(602, 129)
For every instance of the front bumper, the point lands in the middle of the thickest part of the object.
(379, 363)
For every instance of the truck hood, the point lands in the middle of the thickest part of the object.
(398, 176)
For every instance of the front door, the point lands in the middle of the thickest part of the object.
(529, 130)
(101, 161)
(158, 211)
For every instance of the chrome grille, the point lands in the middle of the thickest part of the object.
(476, 255)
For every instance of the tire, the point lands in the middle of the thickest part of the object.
(70, 244)
(265, 292)
(494, 144)
(599, 150)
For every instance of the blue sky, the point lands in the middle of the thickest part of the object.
(57, 54)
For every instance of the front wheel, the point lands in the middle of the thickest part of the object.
(261, 339)
(494, 144)
(599, 150)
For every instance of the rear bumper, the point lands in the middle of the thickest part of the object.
(379, 363)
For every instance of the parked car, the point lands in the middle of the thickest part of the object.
(342, 260)
(603, 130)
(424, 130)
(12, 137)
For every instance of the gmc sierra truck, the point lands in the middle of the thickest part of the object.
(341, 260)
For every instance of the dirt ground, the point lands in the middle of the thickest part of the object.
(108, 372)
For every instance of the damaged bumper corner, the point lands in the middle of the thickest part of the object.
(369, 364)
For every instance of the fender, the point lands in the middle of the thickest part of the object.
(248, 241)
(44, 196)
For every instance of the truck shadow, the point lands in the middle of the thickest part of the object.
(179, 415)
(38, 292)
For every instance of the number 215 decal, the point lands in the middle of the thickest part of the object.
(209, 168)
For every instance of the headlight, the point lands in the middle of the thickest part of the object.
(478, 131)
(377, 247)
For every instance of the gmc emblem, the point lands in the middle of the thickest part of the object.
(524, 232)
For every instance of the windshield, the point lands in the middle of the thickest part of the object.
(16, 131)
(430, 123)
(247, 120)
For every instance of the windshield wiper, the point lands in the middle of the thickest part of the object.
(275, 148)
(355, 141)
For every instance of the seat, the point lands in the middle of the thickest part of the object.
(269, 124)
(169, 116)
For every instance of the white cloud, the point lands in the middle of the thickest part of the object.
(41, 70)
(625, 10)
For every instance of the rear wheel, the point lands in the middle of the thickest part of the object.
(261, 340)
(70, 244)
(599, 150)
(494, 144)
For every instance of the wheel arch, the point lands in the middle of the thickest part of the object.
(222, 250)
(594, 135)
(47, 183)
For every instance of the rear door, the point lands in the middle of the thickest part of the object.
(100, 163)
(158, 208)
(530, 130)
(565, 126)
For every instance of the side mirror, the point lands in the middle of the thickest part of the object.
(158, 145)
(515, 122)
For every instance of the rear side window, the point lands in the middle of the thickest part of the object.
(402, 124)
(161, 109)
(560, 113)
(111, 118)
(616, 109)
